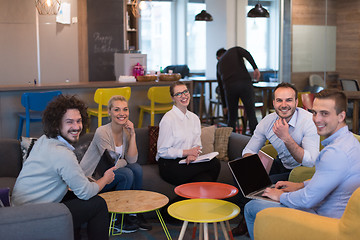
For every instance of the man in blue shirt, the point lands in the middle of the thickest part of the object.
(337, 173)
(292, 133)
(290, 130)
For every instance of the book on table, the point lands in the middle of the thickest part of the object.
(202, 158)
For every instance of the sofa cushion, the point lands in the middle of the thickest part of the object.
(4, 197)
(221, 142)
(7, 182)
(10, 147)
(27, 144)
(153, 137)
(82, 145)
(208, 139)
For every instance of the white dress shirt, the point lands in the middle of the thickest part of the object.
(178, 131)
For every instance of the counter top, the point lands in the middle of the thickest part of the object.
(70, 85)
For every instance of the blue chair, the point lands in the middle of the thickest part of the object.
(34, 103)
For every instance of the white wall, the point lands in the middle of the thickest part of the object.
(58, 45)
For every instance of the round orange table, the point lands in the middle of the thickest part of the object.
(210, 190)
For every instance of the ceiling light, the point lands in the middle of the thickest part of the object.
(203, 16)
(258, 11)
(48, 7)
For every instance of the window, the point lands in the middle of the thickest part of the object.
(196, 39)
(159, 25)
(262, 37)
(156, 37)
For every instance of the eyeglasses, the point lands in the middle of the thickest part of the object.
(185, 92)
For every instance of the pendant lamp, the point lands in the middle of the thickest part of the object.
(48, 7)
(258, 11)
(203, 16)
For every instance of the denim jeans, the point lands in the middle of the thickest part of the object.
(252, 208)
(126, 178)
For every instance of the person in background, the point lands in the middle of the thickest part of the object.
(235, 83)
(292, 133)
(179, 138)
(118, 136)
(52, 173)
(337, 173)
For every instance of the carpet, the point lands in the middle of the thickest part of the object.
(157, 233)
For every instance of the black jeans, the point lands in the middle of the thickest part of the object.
(173, 172)
(244, 91)
(94, 212)
(278, 172)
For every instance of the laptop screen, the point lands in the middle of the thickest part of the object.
(250, 174)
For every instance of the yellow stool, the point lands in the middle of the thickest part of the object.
(160, 95)
(102, 97)
(204, 211)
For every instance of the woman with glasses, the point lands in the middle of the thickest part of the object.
(179, 138)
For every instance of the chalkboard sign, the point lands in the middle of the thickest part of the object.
(105, 37)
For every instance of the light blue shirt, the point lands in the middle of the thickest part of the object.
(301, 128)
(337, 176)
(178, 131)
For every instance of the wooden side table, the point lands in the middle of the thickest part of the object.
(134, 201)
(203, 211)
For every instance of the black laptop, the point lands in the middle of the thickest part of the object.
(251, 176)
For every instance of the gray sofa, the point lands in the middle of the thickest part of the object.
(53, 220)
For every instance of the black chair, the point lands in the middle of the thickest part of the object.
(182, 69)
(349, 84)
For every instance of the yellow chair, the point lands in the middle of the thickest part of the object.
(102, 97)
(288, 223)
(270, 150)
(159, 95)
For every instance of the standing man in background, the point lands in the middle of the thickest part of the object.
(235, 82)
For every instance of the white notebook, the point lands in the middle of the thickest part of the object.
(202, 158)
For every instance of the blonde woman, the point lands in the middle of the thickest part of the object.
(118, 136)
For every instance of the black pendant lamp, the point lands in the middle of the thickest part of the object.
(258, 11)
(203, 16)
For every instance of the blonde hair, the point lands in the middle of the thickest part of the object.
(115, 98)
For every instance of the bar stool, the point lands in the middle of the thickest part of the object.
(102, 97)
(34, 103)
(159, 95)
